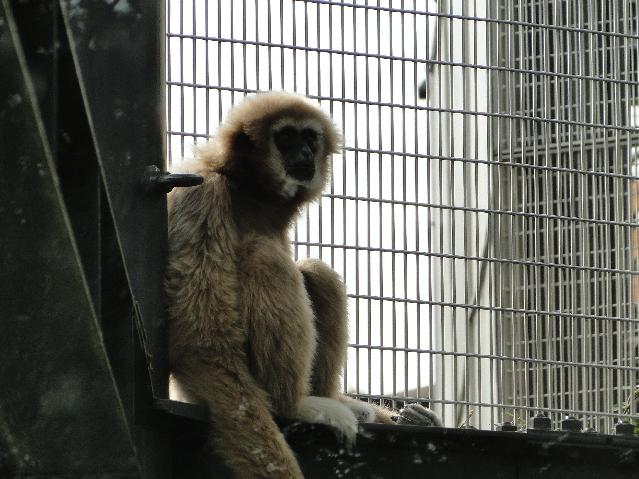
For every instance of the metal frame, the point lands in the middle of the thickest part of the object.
(83, 342)
(445, 271)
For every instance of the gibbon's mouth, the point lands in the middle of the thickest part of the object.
(301, 172)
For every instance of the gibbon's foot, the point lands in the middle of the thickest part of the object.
(332, 413)
(363, 411)
(418, 415)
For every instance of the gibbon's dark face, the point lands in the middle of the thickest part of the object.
(298, 148)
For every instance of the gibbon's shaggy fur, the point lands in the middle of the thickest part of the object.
(252, 333)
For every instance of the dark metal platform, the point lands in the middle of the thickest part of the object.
(397, 451)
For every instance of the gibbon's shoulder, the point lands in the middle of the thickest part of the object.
(214, 190)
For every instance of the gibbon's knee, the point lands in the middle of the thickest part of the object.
(328, 299)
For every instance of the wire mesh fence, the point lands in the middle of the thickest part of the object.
(483, 211)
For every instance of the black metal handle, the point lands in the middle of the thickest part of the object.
(158, 181)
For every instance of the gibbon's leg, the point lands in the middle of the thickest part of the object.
(282, 336)
(328, 298)
(244, 433)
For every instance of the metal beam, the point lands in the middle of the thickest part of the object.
(61, 413)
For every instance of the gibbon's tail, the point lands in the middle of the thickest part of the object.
(244, 433)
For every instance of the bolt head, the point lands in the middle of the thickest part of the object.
(624, 428)
(571, 424)
(540, 422)
(506, 426)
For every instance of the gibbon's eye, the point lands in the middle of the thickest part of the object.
(310, 137)
(286, 138)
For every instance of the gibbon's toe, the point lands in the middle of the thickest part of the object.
(332, 413)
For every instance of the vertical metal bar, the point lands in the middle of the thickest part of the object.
(331, 91)
(194, 44)
(565, 134)
(586, 182)
(416, 146)
(169, 89)
(244, 65)
(368, 206)
(554, 401)
(440, 213)
(579, 102)
(416, 186)
(477, 293)
(318, 58)
(616, 200)
(306, 92)
(181, 78)
(219, 62)
(381, 209)
(492, 238)
(498, 296)
(232, 45)
(404, 226)
(467, 104)
(543, 339)
(356, 182)
(430, 239)
(344, 155)
(450, 215)
(525, 235)
(207, 78)
(604, 212)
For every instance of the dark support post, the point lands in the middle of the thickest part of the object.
(82, 336)
(61, 412)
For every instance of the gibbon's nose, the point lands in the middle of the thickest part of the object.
(305, 156)
(303, 165)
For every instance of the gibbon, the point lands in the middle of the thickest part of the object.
(252, 333)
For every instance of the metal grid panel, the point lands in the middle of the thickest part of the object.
(573, 303)
(486, 233)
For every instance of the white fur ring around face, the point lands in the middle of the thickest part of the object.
(330, 412)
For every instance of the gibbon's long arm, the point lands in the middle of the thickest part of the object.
(281, 336)
(244, 432)
(208, 340)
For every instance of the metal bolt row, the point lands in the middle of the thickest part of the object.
(541, 422)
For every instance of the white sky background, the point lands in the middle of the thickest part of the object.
(356, 174)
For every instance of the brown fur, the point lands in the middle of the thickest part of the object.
(251, 333)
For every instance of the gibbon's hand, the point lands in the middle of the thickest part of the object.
(418, 415)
